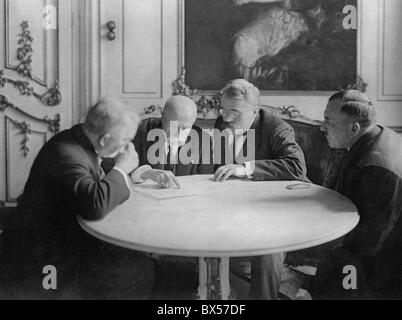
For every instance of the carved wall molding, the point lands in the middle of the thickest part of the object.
(209, 105)
(154, 108)
(205, 103)
(25, 130)
(52, 97)
(54, 124)
(14, 163)
(8, 19)
(24, 127)
(291, 113)
(24, 52)
(180, 87)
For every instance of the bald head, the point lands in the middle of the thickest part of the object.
(178, 118)
(180, 109)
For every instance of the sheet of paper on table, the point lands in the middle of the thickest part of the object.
(188, 189)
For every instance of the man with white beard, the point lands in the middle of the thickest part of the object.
(161, 160)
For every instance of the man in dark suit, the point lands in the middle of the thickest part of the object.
(164, 145)
(274, 155)
(66, 180)
(170, 147)
(371, 176)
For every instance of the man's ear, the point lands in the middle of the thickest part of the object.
(103, 140)
(257, 109)
(354, 131)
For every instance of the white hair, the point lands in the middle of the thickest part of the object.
(108, 114)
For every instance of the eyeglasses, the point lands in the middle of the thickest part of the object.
(234, 113)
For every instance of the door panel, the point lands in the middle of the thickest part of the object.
(141, 55)
(35, 97)
(140, 64)
(132, 62)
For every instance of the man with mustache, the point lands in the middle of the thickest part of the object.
(371, 176)
(277, 157)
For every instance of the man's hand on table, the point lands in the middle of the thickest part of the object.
(165, 179)
(230, 170)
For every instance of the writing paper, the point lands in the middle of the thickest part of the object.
(189, 188)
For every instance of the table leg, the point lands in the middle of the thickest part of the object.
(214, 279)
(224, 278)
(203, 279)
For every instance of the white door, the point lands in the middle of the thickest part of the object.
(138, 59)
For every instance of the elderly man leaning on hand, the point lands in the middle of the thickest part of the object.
(67, 180)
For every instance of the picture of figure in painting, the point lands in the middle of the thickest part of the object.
(277, 45)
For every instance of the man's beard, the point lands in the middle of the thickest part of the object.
(176, 143)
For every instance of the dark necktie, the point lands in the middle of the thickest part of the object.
(169, 166)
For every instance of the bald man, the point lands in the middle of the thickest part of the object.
(177, 126)
(174, 130)
(66, 180)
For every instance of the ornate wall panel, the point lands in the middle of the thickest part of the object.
(31, 48)
(35, 84)
(16, 144)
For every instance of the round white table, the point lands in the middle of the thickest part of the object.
(217, 221)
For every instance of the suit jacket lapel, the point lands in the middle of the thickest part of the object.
(258, 133)
(157, 124)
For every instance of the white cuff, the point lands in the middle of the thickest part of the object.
(136, 175)
(240, 171)
(250, 168)
(126, 179)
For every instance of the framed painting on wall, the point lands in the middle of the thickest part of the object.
(285, 45)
